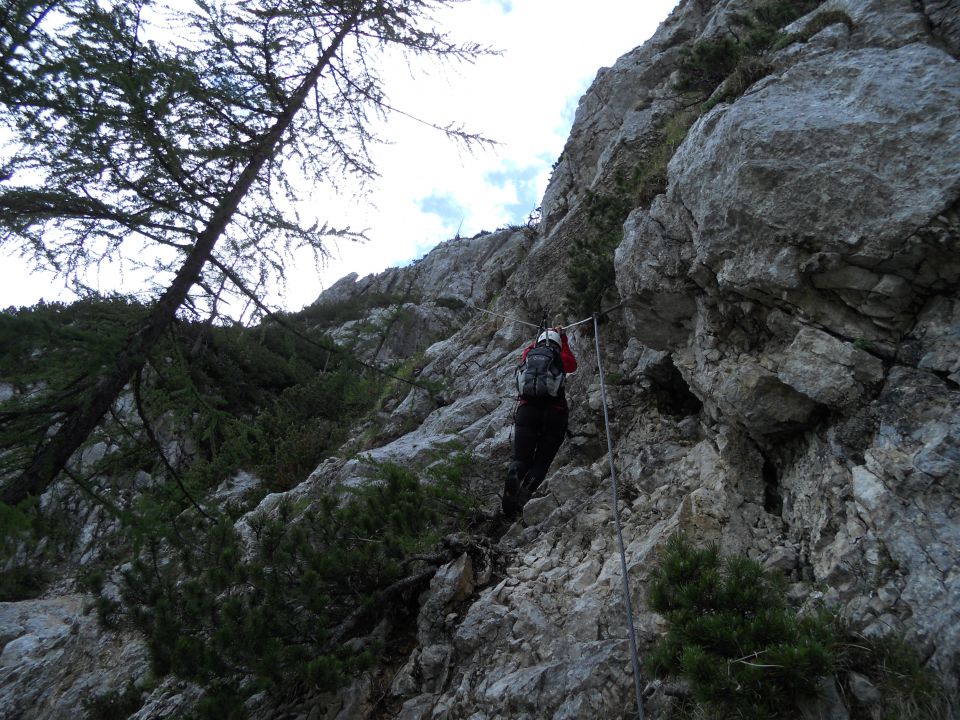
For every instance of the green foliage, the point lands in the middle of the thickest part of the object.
(264, 403)
(279, 613)
(262, 398)
(451, 303)
(21, 530)
(329, 313)
(909, 690)
(52, 354)
(733, 62)
(590, 268)
(309, 420)
(222, 701)
(22, 582)
(114, 705)
(181, 133)
(706, 64)
(745, 653)
(406, 371)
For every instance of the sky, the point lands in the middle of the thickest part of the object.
(430, 189)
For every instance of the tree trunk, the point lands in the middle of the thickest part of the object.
(54, 455)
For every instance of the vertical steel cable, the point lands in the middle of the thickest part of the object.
(616, 518)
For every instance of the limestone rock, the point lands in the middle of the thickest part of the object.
(944, 17)
(830, 371)
(789, 143)
(795, 283)
(934, 342)
(55, 657)
(865, 691)
(761, 401)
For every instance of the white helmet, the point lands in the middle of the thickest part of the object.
(550, 335)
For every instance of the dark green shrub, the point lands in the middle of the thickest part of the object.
(222, 702)
(747, 654)
(451, 303)
(706, 64)
(732, 636)
(308, 421)
(263, 399)
(726, 66)
(765, 19)
(274, 618)
(590, 268)
(748, 71)
(22, 583)
(20, 531)
(52, 354)
(909, 690)
(114, 705)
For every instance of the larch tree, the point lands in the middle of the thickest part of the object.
(180, 135)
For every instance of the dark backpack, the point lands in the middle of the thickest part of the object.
(541, 375)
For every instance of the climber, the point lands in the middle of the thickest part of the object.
(540, 421)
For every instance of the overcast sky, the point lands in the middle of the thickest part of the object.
(429, 189)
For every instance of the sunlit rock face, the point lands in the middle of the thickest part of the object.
(782, 380)
(799, 270)
(400, 312)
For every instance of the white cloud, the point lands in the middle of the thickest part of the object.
(525, 99)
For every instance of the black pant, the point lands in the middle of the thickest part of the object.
(537, 435)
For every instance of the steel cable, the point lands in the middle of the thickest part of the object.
(616, 519)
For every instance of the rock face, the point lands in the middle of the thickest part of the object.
(55, 658)
(782, 379)
(400, 312)
(799, 271)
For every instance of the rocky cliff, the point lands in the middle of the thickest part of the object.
(782, 379)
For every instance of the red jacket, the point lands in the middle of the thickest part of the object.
(568, 361)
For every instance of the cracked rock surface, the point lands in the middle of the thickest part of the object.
(782, 381)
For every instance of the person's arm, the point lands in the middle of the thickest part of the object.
(528, 348)
(566, 354)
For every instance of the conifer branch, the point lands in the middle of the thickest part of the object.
(336, 636)
(152, 436)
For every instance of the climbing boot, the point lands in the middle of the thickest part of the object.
(528, 486)
(511, 486)
(511, 506)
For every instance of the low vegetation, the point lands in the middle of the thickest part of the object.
(22, 577)
(733, 637)
(278, 610)
(357, 307)
(721, 69)
(213, 399)
(279, 605)
(590, 269)
(746, 653)
(115, 705)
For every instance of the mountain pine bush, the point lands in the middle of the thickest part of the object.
(281, 609)
(732, 636)
(733, 61)
(746, 654)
